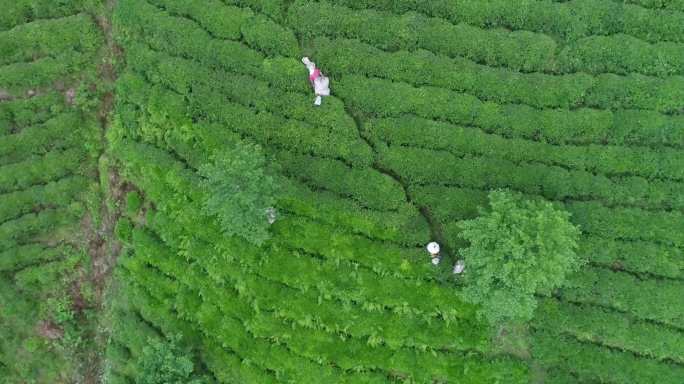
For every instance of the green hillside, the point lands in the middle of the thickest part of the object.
(111, 114)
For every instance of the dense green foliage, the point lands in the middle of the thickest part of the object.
(575, 106)
(433, 105)
(240, 191)
(49, 201)
(515, 250)
(163, 362)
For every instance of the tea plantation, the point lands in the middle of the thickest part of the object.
(112, 113)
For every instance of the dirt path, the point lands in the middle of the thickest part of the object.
(103, 247)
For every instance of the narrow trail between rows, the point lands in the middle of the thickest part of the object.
(436, 233)
(103, 247)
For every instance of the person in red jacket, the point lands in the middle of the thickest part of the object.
(320, 83)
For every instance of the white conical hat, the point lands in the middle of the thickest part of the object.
(433, 248)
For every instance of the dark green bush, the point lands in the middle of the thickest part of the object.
(564, 20)
(518, 50)
(58, 132)
(649, 299)
(420, 67)
(56, 38)
(367, 186)
(25, 112)
(558, 126)
(415, 166)
(461, 140)
(272, 39)
(25, 11)
(57, 193)
(593, 362)
(611, 328)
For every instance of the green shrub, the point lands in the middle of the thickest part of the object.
(281, 265)
(610, 328)
(555, 183)
(622, 54)
(25, 11)
(367, 186)
(635, 256)
(558, 126)
(23, 229)
(53, 166)
(25, 112)
(56, 38)
(649, 299)
(666, 228)
(221, 20)
(18, 77)
(590, 361)
(518, 50)
(226, 99)
(461, 140)
(625, 238)
(272, 8)
(58, 132)
(341, 57)
(182, 37)
(24, 255)
(297, 304)
(57, 193)
(673, 5)
(266, 324)
(272, 39)
(564, 20)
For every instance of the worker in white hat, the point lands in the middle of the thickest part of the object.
(433, 249)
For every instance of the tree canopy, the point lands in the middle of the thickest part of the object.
(164, 362)
(516, 249)
(241, 189)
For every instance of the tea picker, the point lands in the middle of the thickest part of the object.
(433, 249)
(320, 83)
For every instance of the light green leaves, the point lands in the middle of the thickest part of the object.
(241, 191)
(517, 249)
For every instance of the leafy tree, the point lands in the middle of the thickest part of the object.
(518, 248)
(241, 191)
(164, 362)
